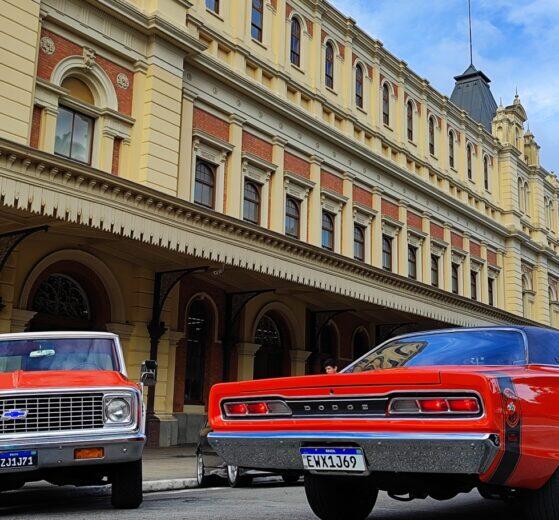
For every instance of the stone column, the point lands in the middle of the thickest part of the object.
(277, 188)
(466, 268)
(376, 241)
(315, 204)
(298, 361)
(233, 178)
(447, 259)
(347, 217)
(402, 260)
(426, 249)
(21, 319)
(500, 285)
(512, 267)
(484, 275)
(106, 150)
(48, 129)
(185, 146)
(245, 364)
(541, 288)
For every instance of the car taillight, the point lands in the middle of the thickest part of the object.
(264, 408)
(511, 405)
(434, 406)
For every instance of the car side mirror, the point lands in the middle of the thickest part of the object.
(148, 372)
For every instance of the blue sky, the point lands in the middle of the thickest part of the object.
(516, 43)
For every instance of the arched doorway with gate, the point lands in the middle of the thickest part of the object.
(272, 358)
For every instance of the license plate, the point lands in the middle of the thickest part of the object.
(18, 459)
(333, 459)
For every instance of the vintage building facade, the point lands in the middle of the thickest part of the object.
(243, 188)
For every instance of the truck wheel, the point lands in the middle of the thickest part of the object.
(126, 490)
(340, 498)
(235, 478)
(543, 503)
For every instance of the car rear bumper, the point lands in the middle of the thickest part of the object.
(467, 453)
(60, 453)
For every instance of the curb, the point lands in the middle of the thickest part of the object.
(153, 486)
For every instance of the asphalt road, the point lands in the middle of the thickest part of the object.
(270, 500)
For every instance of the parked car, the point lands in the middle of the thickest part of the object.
(210, 467)
(69, 414)
(425, 414)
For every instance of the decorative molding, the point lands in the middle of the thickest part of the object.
(47, 45)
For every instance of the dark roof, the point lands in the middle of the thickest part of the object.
(473, 94)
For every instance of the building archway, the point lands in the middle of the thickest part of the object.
(361, 343)
(272, 358)
(67, 295)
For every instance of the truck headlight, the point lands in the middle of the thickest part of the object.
(118, 410)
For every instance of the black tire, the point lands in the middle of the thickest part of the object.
(201, 477)
(236, 479)
(291, 478)
(340, 498)
(126, 481)
(543, 503)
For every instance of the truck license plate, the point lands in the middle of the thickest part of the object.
(333, 459)
(18, 459)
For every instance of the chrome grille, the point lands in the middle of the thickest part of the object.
(52, 412)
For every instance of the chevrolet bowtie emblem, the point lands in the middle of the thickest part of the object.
(14, 415)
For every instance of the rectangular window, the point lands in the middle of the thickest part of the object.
(292, 217)
(257, 19)
(455, 278)
(434, 270)
(74, 135)
(204, 184)
(359, 243)
(473, 285)
(387, 252)
(491, 290)
(327, 231)
(251, 202)
(213, 5)
(412, 262)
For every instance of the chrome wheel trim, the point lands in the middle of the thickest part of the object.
(232, 473)
(199, 468)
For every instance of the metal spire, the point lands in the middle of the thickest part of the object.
(470, 24)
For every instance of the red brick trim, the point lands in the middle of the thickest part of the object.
(257, 146)
(389, 209)
(294, 164)
(210, 124)
(457, 240)
(415, 221)
(475, 249)
(491, 257)
(362, 196)
(332, 182)
(437, 231)
(36, 127)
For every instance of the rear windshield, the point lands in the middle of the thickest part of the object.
(479, 347)
(58, 354)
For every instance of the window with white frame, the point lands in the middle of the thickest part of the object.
(297, 191)
(409, 120)
(329, 65)
(469, 161)
(256, 189)
(386, 104)
(431, 135)
(451, 155)
(359, 82)
(295, 42)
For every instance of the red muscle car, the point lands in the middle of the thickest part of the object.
(425, 414)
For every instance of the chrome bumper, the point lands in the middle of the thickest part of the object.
(384, 452)
(59, 453)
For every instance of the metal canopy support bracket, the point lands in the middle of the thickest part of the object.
(10, 240)
(164, 282)
(235, 303)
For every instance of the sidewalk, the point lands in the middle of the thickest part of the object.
(169, 468)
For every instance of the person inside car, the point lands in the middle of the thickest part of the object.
(330, 367)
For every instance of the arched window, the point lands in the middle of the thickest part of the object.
(432, 135)
(486, 172)
(198, 322)
(328, 341)
(204, 184)
(473, 284)
(292, 218)
(74, 130)
(327, 231)
(526, 191)
(469, 164)
(412, 262)
(257, 19)
(548, 212)
(435, 271)
(386, 104)
(269, 360)
(387, 253)
(521, 198)
(410, 120)
(451, 149)
(359, 243)
(329, 66)
(360, 343)
(295, 42)
(359, 86)
(61, 296)
(251, 203)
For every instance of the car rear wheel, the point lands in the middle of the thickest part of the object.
(126, 492)
(291, 478)
(201, 477)
(543, 503)
(236, 479)
(340, 498)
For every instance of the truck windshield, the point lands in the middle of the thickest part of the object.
(58, 354)
(469, 347)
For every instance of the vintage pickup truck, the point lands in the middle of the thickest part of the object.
(69, 414)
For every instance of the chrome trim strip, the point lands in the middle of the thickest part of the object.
(305, 435)
(6, 444)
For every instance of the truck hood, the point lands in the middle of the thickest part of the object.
(62, 379)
